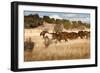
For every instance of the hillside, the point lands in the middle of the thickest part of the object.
(34, 21)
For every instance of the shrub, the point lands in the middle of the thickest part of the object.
(29, 45)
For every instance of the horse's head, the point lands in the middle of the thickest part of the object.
(43, 33)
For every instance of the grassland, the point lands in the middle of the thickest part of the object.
(73, 49)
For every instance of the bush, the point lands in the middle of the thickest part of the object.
(57, 28)
(29, 45)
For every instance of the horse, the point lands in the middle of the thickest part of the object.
(43, 33)
(84, 34)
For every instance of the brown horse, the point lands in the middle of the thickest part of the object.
(72, 35)
(84, 34)
(59, 36)
(43, 33)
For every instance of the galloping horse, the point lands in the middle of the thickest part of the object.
(43, 33)
(84, 34)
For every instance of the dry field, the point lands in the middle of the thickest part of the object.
(73, 49)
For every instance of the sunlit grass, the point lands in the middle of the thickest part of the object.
(73, 49)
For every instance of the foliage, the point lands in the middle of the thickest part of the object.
(29, 44)
(33, 21)
(57, 28)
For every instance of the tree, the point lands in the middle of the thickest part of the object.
(46, 19)
(66, 24)
(58, 21)
(58, 28)
(75, 25)
(80, 22)
(52, 20)
(32, 21)
(35, 16)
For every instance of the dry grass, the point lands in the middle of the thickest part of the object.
(73, 49)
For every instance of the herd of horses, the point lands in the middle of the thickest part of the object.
(66, 35)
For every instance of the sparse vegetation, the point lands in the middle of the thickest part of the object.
(29, 44)
(71, 45)
(58, 28)
(33, 21)
(73, 49)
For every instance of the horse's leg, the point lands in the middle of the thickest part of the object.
(66, 40)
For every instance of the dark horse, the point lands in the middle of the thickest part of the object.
(84, 34)
(59, 36)
(43, 33)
